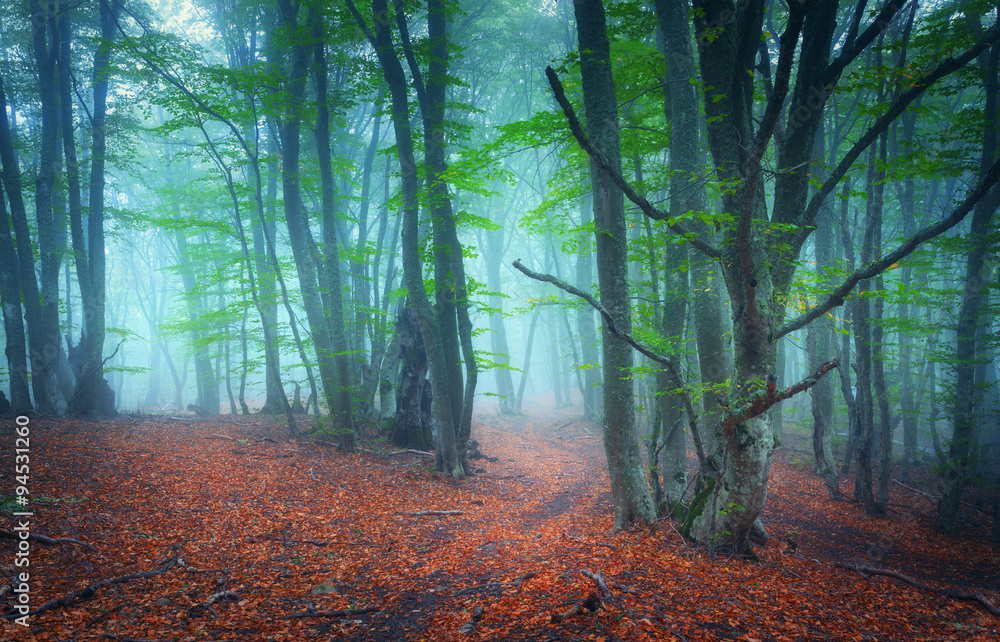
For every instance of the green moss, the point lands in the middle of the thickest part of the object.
(701, 497)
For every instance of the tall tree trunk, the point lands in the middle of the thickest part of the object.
(274, 399)
(90, 386)
(492, 249)
(381, 40)
(13, 324)
(340, 407)
(957, 466)
(300, 236)
(687, 192)
(45, 361)
(629, 491)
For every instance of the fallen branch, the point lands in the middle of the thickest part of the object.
(438, 513)
(105, 615)
(311, 611)
(591, 603)
(601, 584)
(568, 423)
(516, 582)
(937, 497)
(88, 592)
(423, 453)
(44, 539)
(220, 437)
(222, 595)
(968, 597)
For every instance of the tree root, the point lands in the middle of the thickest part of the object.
(955, 595)
(88, 592)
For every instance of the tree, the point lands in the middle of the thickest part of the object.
(756, 248)
(960, 452)
(632, 500)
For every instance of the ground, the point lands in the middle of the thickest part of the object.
(292, 530)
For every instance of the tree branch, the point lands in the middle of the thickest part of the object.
(947, 67)
(956, 595)
(837, 297)
(667, 362)
(855, 45)
(759, 404)
(630, 193)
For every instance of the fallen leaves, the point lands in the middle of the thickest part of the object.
(403, 554)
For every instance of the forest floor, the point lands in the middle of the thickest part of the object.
(226, 530)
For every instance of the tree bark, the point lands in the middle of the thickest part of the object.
(593, 396)
(13, 325)
(22, 264)
(90, 385)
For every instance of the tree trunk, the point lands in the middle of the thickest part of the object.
(957, 468)
(519, 397)
(340, 404)
(22, 279)
(87, 398)
(411, 426)
(492, 250)
(13, 324)
(300, 236)
(381, 40)
(629, 491)
(593, 397)
(49, 397)
(819, 341)
(275, 401)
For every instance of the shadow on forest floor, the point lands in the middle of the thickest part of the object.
(270, 540)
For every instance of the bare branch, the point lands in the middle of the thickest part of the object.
(668, 363)
(837, 297)
(948, 66)
(630, 193)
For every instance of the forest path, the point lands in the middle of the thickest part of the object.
(284, 526)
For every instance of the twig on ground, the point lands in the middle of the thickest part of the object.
(937, 497)
(387, 453)
(311, 611)
(437, 513)
(103, 616)
(591, 603)
(601, 584)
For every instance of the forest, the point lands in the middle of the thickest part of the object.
(488, 319)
